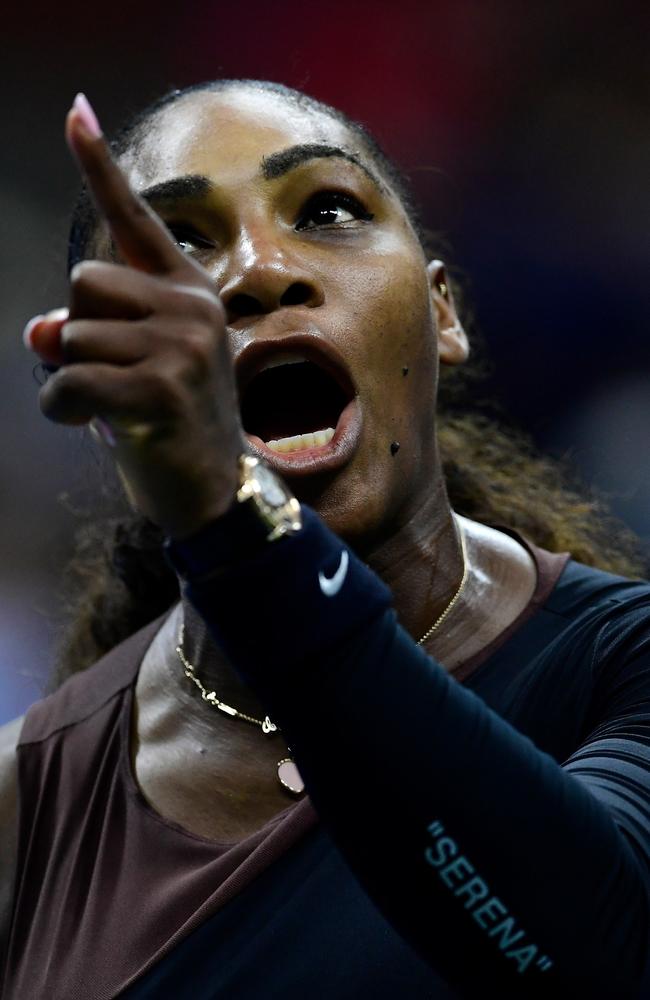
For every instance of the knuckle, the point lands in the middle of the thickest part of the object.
(185, 346)
(204, 303)
(162, 390)
(81, 270)
(84, 275)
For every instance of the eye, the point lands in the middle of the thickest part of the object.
(331, 209)
(188, 239)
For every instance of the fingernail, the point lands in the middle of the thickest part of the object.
(27, 332)
(104, 430)
(56, 315)
(82, 106)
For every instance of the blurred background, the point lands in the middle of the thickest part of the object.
(525, 129)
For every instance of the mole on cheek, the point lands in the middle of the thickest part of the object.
(405, 370)
(394, 447)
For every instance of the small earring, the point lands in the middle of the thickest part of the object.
(442, 288)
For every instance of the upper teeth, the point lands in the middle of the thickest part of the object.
(316, 439)
(283, 358)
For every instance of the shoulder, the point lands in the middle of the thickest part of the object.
(583, 588)
(88, 691)
(614, 608)
(606, 626)
(9, 735)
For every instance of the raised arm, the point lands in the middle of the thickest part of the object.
(143, 356)
(494, 862)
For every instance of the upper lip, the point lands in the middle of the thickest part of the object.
(255, 357)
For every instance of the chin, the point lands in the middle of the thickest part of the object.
(354, 510)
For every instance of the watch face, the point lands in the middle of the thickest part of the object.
(272, 491)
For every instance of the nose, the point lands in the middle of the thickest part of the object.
(262, 277)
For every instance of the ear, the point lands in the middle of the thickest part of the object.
(453, 345)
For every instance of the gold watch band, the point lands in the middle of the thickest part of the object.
(264, 492)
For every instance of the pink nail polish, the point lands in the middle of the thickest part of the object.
(27, 332)
(82, 106)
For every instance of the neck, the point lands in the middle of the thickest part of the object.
(421, 562)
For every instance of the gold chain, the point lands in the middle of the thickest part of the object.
(438, 622)
(267, 726)
(211, 696)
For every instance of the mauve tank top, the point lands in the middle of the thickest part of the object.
(105, 886)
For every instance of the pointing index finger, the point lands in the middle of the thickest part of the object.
(140, 236)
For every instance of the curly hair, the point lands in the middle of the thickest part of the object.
(118, 578)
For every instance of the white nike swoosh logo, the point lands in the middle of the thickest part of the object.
(331, 585)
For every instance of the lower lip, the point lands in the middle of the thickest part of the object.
(326, 458)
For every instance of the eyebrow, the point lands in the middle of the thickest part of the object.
(193, 187)
(277, 164)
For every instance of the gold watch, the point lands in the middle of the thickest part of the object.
(270, 502)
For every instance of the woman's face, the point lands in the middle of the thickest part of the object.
(315, 260)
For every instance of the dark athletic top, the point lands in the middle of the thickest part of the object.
(486, 833)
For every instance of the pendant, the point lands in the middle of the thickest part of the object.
(289, 776)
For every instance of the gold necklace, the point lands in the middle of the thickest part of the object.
(288, 774)
(463, 548)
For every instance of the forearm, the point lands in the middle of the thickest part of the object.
(494, 863)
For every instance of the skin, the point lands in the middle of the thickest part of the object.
(151, 344)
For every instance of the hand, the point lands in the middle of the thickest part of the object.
(144, 357)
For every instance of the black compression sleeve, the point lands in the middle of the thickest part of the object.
(501, 868)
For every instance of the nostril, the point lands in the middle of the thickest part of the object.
(244, 305)
(296, 294)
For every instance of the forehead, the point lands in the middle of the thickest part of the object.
(225, 136)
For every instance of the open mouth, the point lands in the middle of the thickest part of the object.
(293, 405)
(299, 407)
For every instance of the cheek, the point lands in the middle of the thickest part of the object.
(390, 328)
(384, 324)
(395, 330)
(389, 294)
